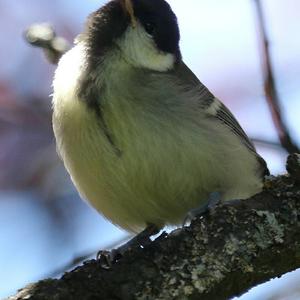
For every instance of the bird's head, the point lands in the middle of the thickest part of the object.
(144, 32)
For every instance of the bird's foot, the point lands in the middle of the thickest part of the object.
(213, 199)
(108, 258)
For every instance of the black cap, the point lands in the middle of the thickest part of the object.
(159, 21)
(110, 22)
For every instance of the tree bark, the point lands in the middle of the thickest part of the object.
(234, 247)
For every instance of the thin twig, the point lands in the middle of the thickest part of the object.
(43, 36)
(272, 96)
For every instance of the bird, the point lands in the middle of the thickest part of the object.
(143, 139)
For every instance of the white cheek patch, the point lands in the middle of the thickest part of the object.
(140, 49)
(67, 73)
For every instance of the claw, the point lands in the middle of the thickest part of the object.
(213, 199)
(108, 258)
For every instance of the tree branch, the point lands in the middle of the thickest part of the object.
(271, 93)
(84, 256)
(43, 36)
(221, 255)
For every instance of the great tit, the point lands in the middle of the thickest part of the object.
(143, 140)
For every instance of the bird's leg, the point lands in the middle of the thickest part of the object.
(107, 258)
(141, 239)
(213, 199)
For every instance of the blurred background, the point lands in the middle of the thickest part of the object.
(43, 223)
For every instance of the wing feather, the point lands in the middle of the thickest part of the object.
(218, 110)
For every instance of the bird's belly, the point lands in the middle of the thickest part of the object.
(131, 191)
(147, 183)
(155, 179)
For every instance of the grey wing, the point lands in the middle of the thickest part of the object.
(183, 72)
(216, 109)
(227, 118)
(223, 114)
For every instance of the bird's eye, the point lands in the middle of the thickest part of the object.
(150, 27)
